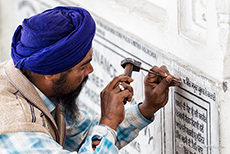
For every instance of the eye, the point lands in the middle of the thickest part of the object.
(84, 67)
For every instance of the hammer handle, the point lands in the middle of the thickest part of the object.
(128, 72)
(128, 69)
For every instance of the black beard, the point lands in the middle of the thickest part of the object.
(67, 101)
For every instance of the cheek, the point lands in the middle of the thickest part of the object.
(76, 81)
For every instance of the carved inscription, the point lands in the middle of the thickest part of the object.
(130, 41)
(191, 126)
(199, 89)
(147, 133)
(104, 63)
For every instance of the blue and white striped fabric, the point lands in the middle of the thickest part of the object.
(78, 136)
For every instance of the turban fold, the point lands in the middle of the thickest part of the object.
(53, 41)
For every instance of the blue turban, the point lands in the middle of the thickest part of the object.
(53, 41)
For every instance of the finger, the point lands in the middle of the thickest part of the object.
(123, 78)
(163, 85)
(116, 80)
(150, 79)
(123, 86)
(118, 88)
(159, 71)
(127, 86)
(153, 78)
(164, 68)
(125, 94)
(174, 83)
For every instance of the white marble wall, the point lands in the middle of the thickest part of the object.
(194, 33)
(6, 28)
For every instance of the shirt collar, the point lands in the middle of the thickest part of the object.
(49, 104)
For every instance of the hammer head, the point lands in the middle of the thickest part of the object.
(136, 64)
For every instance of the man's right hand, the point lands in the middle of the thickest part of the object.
(112, 106)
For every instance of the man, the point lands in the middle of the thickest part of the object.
(51, 54)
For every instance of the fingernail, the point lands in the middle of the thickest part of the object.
(169, 79)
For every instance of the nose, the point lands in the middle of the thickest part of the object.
(89, 69)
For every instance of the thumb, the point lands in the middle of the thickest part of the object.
(164, 84)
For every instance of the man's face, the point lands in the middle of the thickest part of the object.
(67, 88)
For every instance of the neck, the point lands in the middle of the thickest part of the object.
(43, 85)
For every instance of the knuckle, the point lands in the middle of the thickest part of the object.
(102, 92)
(164, 68)
(116, 78)
(154, 68)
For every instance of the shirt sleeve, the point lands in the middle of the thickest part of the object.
(35, 142)
(126, 131)
(78, 137)
(30, 142)
(129, 129)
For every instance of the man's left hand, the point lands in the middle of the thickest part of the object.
(156, 91)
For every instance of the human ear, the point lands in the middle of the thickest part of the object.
(53, 77)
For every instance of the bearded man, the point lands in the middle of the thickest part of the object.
(51, 54)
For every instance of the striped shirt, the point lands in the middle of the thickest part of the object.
(78, 135)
